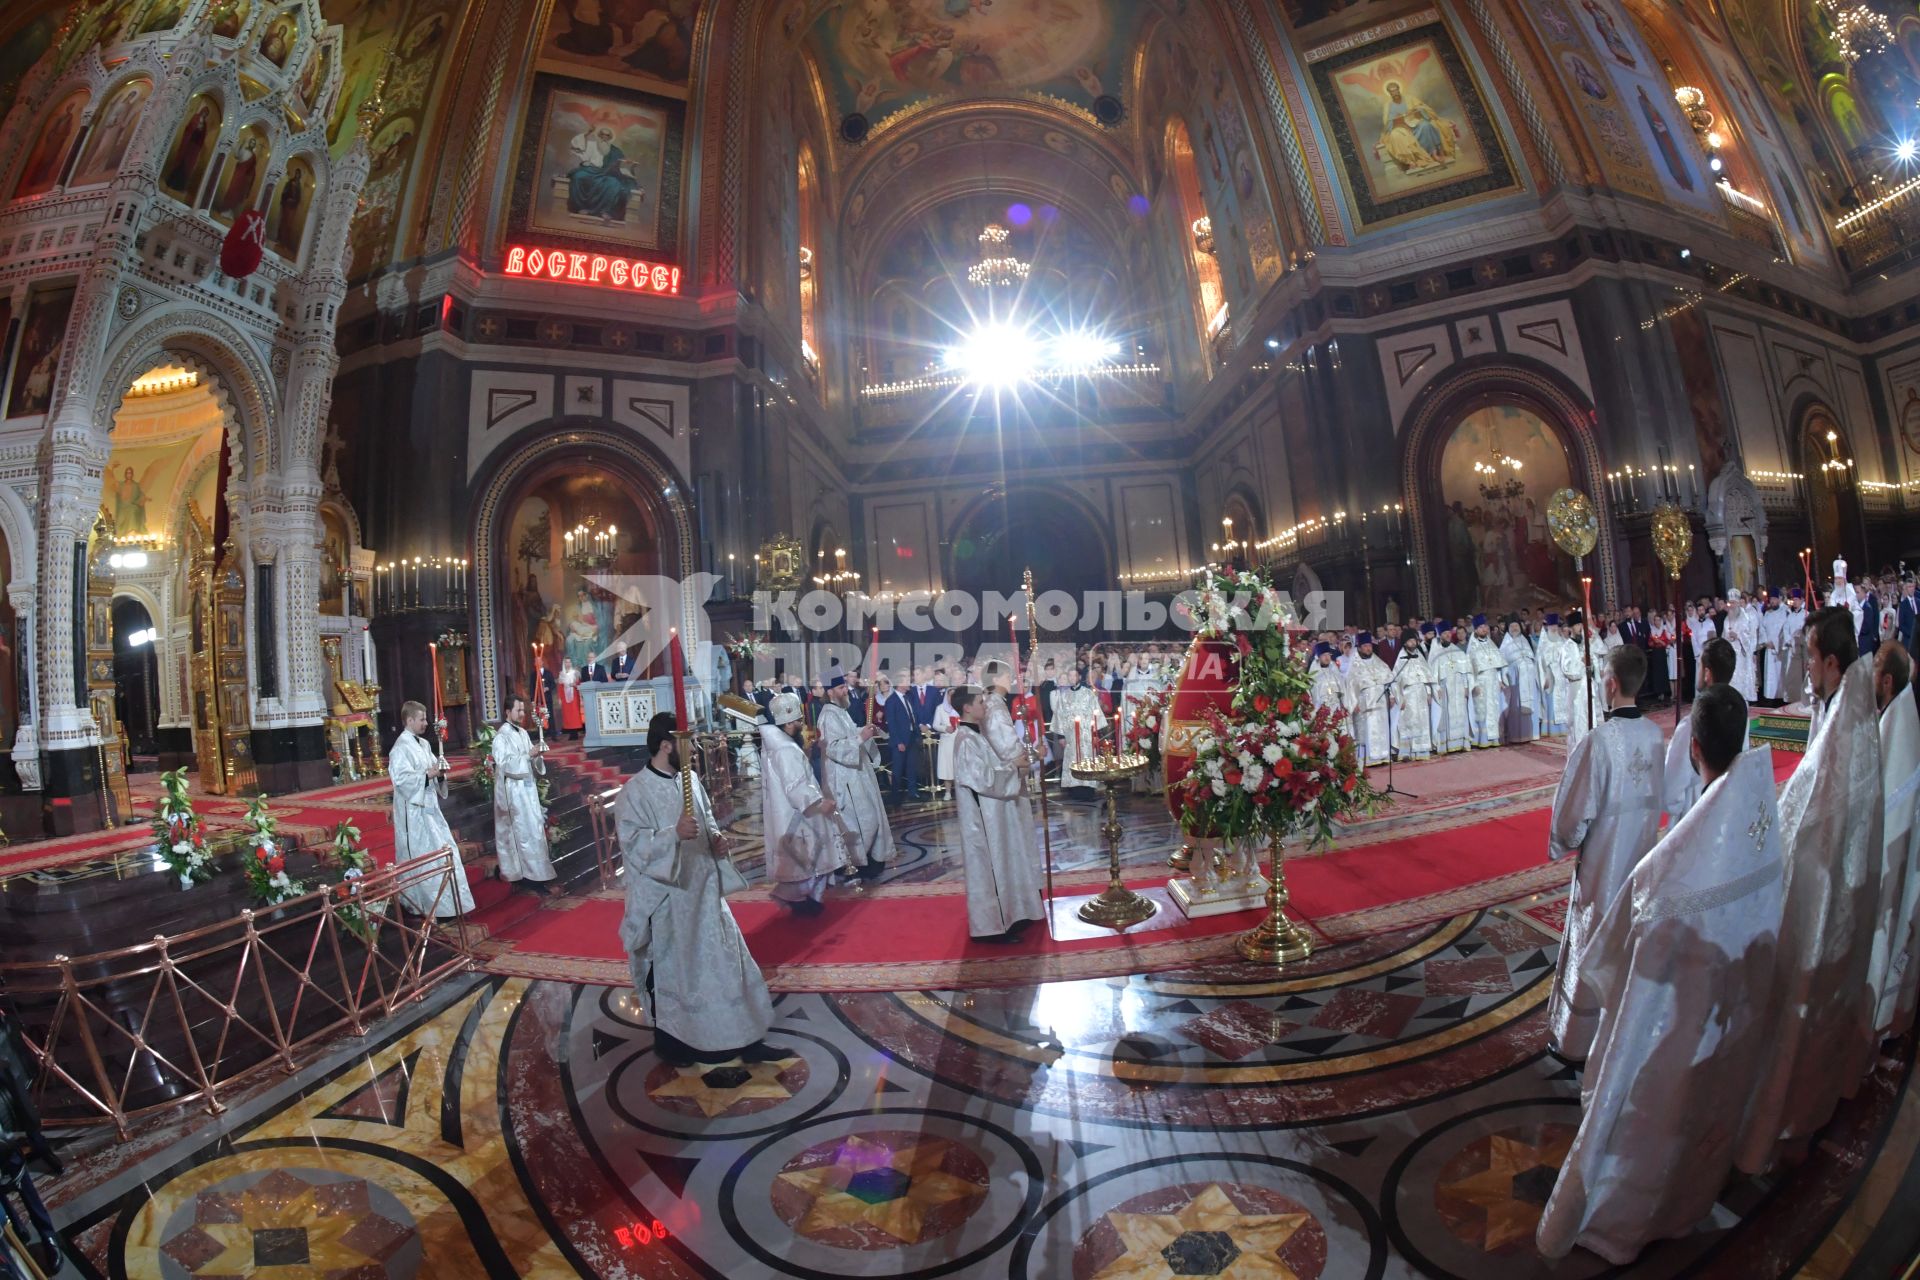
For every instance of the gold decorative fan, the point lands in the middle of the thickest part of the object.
(1573, 522)
(1672, 538)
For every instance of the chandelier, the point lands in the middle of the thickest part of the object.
(1858, 30)
(587, 547)
(997, 268)
(1203, 234)
(1492, 487)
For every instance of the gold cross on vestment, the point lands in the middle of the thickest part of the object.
(1761, 825)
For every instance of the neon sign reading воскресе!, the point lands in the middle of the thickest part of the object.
(572, 267)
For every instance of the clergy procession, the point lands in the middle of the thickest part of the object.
(1732, 960)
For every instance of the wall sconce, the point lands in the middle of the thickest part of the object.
(1203, 235)
(1694, 103)
(806, 263)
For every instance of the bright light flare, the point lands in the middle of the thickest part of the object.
(1906, 150)
(995, 355)
(1082, 349)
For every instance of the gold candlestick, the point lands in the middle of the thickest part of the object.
(1277, 940)
(1118, 907)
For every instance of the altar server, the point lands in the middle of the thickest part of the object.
(996, 825)
(1831, 825)
(1488, 672)
(1771, 639)
(1743, 632)
(1681, 781)
(806, 842)
(945, 720)
(1077, 717)
(1677, 976)
(1369, 686)
(1900, 867)
(519, 822)
(420, 832)
(1452, 693)
(1793, 645)
(1522, 686)
(1556, 700)
(706, 999)
(849, 757)
(1607, 810)
(1412, 692)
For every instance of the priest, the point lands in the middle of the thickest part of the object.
(1369, 687)
(1452, 693)
(421, 836)
(1077, 718)
(806, 842)
(1793, 646)
(1900, 866)
(1772, 632)
(1572, 678)
(1682, 782)
(519, 821)
(1831, 824)
(1521, 722)
(1607, 810)
(847, 773)
(1412, 690)
(1328, 688)
(1489, 675)
(708, 1001)
(996, 823)
(1677, 978)
(1556, 699)
(1743, 632)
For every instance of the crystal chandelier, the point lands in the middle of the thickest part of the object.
(587, 547)
(1492, 487)
(997, 268)
(1858, 30)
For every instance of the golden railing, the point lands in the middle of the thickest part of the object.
(606, 835)
(120, 1034)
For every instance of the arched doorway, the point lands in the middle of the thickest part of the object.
(1833, 495)
(136, 677)
(560, 516)
(1007, 531)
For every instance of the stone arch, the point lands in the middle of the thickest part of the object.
(1095, 532)
(1836, 523)
(221, 354)
(23, 544)
(1477, 384)
(500, 484)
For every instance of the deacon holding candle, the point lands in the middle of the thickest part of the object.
(847, 765)
(1077, 719)
(423, 844)
(519, 819)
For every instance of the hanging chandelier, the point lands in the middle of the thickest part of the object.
(997, 268)
(1858, 29)
(587, 548)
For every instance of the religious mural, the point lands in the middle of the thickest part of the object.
(600, 166)
(37, 361)
(548, 598)
(239, 183)
(229, 16)
(276, 42)
(287, 218)
(112, 130)
(192, 150)
(18, 54)
(646, 40)
(58, 131)
(1496, 549)
(879, 57)
(1410, 126)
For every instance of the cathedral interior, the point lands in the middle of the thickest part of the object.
(349, 347)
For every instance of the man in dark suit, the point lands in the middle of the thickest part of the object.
(1044, 691)
(622, 665)
(763, 694)
(595, 670)
(1909, 613)
(905, 758)
(1870, 624)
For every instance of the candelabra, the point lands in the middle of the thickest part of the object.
(420, 582)
(587, 548)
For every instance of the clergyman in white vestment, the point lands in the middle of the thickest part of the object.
(705, 995)
(1488, 671)
(1521, 722)
(1831, 821)
(1678, 977)
(1076, 717)
(1900, 868)
(1369, 687)
(806, 843)
(1452, 694)
(1412, 688)
(996, 825)
(1682, 783)
(1608, 811)
(519, 823)
(419, 830)
(848, 759)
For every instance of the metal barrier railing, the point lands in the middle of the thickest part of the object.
(119, 1034)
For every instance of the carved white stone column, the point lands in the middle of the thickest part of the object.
(26, 741)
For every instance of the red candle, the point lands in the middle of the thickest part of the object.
(679, 664)
(1079, 744)
(873, 656)
(433, 661)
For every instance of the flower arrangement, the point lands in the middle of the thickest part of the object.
(1275, 763)
(354, 863)
(1224, 603)
(748, 648)
(481, 749)
(265, 863)
(178, 838)
(1145, 725)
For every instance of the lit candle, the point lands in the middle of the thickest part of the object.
(366, 655)
(678, 660)
(1079, 742)
(433, 662)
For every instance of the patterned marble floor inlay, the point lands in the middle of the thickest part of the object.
(1385, 1110)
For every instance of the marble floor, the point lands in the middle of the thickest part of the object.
(1386, 1109)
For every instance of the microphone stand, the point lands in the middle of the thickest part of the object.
(1392, 753)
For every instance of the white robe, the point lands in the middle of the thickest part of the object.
(1368, 683)
(944, 722)
(1412, 687)
(1328, 687)
(707, 990)
(1452, 689)
(1082, 704)
(1793, 670)
(996, 838)
(1522, 689)
(1900, 868)
(1681, 782)
(1554, 712)
(804, 846)
(1772, 635)
(419, 831)
(1677, 977)
(847, 770)
(1743, 633)
(1489, 674)
(519, 824)
(1830, 824)
(1608, 811)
